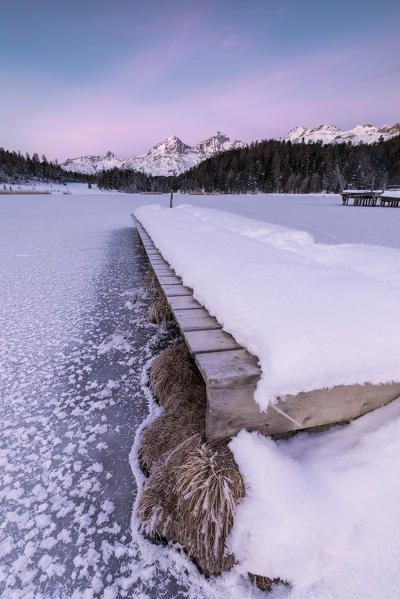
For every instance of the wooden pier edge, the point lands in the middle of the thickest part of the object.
(231, 373)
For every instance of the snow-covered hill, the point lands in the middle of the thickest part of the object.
(170, 156)
(329, 134)
(91, 165)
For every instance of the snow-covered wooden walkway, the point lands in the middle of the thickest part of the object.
(231, 373)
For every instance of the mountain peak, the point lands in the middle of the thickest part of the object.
(330, 134)
(219, 134)
(171, 156)
(169, 145)
(219, 142)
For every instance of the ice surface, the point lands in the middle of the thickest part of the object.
(71, 398)
(308, 311)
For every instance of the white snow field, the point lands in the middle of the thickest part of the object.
(320, 510)
(53, 188)
(308, 311)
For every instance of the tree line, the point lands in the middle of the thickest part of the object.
(277, 166)
(18, 168)
(132, 181)
(268, 166)
(272, 166)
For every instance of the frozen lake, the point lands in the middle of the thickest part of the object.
(73, 345)
(323, 216)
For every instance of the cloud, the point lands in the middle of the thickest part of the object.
(372, 77)
(380, 74)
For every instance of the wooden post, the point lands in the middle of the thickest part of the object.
(171, 197)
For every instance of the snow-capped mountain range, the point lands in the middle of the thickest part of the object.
(168, 157)
(172, 156)
(330, 134)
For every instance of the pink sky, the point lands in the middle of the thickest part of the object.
(197, 79)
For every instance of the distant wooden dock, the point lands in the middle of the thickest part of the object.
(363, 197)
(231, 373)
(391, 199)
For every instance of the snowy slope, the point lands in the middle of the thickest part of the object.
(91, 165)
(170, 156)
(331, 134)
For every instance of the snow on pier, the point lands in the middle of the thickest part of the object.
(365, 197)
(307, 311)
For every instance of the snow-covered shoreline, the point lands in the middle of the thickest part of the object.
(53, 188)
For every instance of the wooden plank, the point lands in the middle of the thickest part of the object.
(173, 290)
(170, 280)
(163, 272)
(230, 409)
(200, 342)
(195, 320)
(184, 302)
(158, 266)
(158, 261)
(155, 258)
(228, 368)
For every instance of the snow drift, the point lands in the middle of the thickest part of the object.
(321, 511)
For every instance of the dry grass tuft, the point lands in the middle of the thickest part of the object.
(142, 249)
(209, 486)
(157, 505)
(168, 431)
(150, 282)
(190, 498)
(173, 375)
(193, 487)
(264, 583)
(160, 312)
